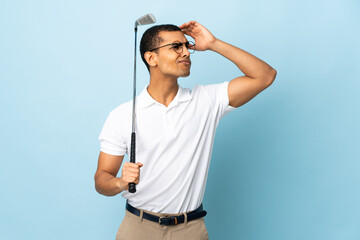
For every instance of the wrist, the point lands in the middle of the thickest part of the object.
(122, 186)
(215, 45)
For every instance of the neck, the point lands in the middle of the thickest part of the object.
(163, 89)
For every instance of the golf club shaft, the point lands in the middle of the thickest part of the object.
(132, 188)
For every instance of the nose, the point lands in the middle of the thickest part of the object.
(185, 52)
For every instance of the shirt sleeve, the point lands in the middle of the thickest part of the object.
(111, 140)
(219, 98)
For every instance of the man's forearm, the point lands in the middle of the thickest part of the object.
(108, 185)
(250, 65)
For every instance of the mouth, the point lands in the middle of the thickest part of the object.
(186, 62)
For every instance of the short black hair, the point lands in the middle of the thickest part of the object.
(151, 39)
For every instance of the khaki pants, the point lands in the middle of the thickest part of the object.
(136, 228)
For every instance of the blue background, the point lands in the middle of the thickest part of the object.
(284, 166)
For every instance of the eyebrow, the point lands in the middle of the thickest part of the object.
(178, 42)
(174, 43)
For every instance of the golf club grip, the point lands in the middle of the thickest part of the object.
(132, 188)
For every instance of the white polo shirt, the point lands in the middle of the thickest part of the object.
(174, 143)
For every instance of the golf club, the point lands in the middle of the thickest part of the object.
(144, 20)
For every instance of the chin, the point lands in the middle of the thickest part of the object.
(186, 74)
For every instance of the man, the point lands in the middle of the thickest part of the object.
(175, 130)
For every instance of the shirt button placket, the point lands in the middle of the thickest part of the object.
(165, 120)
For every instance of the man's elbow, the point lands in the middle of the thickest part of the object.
(270, 76)
(98, 180)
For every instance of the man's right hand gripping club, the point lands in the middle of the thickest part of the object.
(106, 182)
(130, 174)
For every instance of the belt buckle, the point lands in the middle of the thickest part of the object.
(167, 221)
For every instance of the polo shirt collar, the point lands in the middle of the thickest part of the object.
(145, 100)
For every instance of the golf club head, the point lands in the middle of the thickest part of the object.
(146, 19)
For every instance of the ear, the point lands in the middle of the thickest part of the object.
(151, 58)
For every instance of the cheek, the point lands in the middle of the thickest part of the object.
(168, 64)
